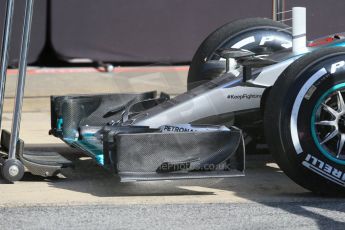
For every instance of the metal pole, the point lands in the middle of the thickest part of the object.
(278, 9)
(21, 79)
(5, 46)
(299, 30)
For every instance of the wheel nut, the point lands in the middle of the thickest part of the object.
(13, 170)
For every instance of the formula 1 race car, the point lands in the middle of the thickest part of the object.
(251, 81)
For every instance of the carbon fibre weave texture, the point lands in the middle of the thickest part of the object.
(148, 151)
(89, 110)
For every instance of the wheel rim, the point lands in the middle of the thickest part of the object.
(328, 124)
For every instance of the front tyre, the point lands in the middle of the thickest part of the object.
(305, 121)
(258, 35)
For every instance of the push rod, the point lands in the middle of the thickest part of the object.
(21, 79)
(5, 47)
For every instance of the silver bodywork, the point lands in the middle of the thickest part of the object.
(225, 95)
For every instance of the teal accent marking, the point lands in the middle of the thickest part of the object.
(92, 147)
(313, 130)
(59, 123)
(93, 150)
(342, 44)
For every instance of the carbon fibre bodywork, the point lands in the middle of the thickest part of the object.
(193, 135)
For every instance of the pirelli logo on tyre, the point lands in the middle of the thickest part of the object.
(337, 66)
(325, 170)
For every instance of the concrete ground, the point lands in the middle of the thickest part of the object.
(87, 197)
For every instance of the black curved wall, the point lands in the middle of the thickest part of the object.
(323, 17)
(148, 31)
(141, 30)
(39, 29)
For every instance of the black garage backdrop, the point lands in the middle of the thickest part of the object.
(148, 31)
(142, 30)
(323, 16)
(39, 29)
